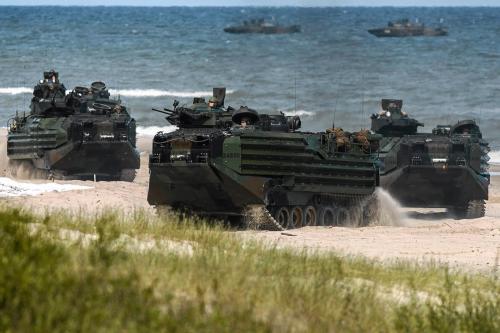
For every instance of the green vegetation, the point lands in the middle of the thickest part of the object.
(111, 273)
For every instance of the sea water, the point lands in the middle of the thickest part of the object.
(333, 71)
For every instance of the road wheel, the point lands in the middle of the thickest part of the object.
(282, 216)
(297, 217)
(310, 216)
(370, 212)
(327, 216)
(341, 217)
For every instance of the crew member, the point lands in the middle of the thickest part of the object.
(213, 103)
(244, 122)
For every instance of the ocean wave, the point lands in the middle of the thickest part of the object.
(300, 113)
(494, 157)
(124, 92)
(15, 90)
(161, 93)
(152, 130)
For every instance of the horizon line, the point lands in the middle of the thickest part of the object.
(259, 6)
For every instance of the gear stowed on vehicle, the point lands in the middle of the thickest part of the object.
(75, 136)
(230, 163)
(446, 168)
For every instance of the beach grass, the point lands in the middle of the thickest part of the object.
(111, 272)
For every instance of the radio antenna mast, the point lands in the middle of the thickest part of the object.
(335, 109)
(363, 99)
(295, 94)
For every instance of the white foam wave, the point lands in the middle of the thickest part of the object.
(161, 93)
(15, 90)
(12, 188)
(152, 130)
(494, 157)
(300, 113)
(124, 92)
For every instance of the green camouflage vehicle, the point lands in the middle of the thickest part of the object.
(83, 134)
(229, 163)
(446, 168)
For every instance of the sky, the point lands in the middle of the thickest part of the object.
(255, 2)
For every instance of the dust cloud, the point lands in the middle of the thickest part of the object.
(388, 211)
(4, 160)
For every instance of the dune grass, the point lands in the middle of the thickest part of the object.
(142, 273)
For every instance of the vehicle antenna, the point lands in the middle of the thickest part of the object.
(25, 85)
(363, 99)
(335, 109)
(295, 94)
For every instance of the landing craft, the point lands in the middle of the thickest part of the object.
(225, 162)
(262, 27)
(83, 134)
(405, 28)
(446, 168)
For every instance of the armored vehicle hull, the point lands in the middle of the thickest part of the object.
(405, 28)
(247, 164)
(299, 178)
(447, 168)
(76, 147)
(432, 171)
(408, 32)
(270, 30)
(453, 186)
(82, 135)
(260, 26)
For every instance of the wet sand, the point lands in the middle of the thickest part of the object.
(424, 234)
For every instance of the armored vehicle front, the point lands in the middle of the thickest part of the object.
(82, 134)
(222, 161)
(446, 168)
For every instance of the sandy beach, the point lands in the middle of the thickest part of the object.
(422, 235)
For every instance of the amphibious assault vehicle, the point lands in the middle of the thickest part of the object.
(405, 28)
(260, 26)
(83, 134)
(445, 168)
(223, 161)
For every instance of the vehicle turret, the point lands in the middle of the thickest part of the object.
(201, 114)
(392, 120)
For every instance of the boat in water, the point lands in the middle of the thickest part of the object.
(405, 28)
(260, 26)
